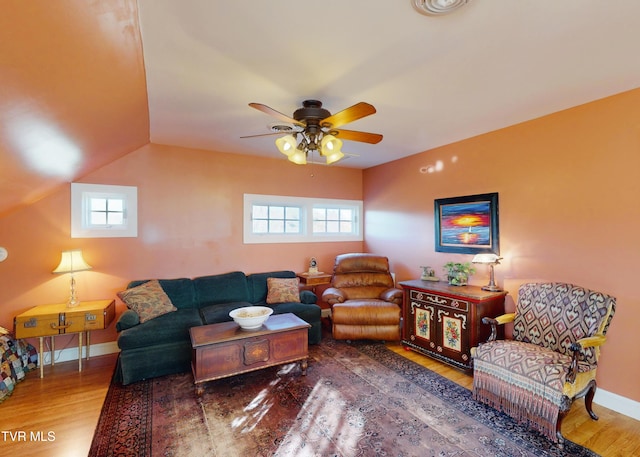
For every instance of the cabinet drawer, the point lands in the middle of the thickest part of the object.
(427, 298)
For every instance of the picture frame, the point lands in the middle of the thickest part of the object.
(467, 225)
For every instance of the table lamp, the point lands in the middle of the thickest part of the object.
(491, 260)
(72, 262)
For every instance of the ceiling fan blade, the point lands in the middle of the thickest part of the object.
(353, 113)
(277, 114)
(265, 134)
(352, 135)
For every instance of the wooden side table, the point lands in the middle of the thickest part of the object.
(313, 280)
(51, 320)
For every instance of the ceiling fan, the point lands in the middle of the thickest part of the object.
(318, 129)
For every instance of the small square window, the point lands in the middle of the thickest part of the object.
(103, 211)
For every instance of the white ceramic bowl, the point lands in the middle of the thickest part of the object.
(251, 317)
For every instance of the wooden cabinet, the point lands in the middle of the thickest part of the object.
(444, 321)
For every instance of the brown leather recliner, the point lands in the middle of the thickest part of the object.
(365, 304)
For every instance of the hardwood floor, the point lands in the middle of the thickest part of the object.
(56, 416)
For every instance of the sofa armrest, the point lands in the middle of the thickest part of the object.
(332, 296)
(392, 295)
(308, 298)
(127, 320)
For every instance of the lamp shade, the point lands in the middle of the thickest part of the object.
(486, 258)
(286, 145)
(72, 261)
(334, 157)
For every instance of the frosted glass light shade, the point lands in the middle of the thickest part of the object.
(329, 145)
(286, 145)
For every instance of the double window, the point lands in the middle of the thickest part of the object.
(282, 219)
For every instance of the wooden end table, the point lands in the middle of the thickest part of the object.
(59, 319)
(224, 349)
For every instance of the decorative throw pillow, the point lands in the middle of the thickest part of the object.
(149, 300)
(282, 290)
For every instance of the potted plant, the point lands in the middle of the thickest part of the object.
(458, 273)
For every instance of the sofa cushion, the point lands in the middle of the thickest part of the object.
(222, 288)
(179, 290)
(257, 284)
(148, 300)
(283, 290)
(167, 328)
(213, 314)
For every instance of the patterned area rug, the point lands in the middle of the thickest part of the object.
(356, 400)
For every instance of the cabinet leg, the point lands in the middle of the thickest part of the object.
(304, 363)
(199, 389)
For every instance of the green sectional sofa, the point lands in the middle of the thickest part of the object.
(162, 345)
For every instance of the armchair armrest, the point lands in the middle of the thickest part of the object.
(495, 321)
(332, 296)
(393, 295)
(577, 347)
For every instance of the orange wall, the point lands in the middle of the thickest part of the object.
(569, 210)
(190, 224)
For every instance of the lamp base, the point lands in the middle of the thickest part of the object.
(491, 288)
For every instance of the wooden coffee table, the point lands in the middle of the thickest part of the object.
(224, 349)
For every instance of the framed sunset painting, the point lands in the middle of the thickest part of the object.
(467, 225)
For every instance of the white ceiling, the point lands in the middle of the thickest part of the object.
(434, 80)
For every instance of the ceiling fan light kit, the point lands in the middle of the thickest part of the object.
(438, 7)
(318, 130)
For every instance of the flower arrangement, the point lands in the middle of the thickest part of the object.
(458, 273)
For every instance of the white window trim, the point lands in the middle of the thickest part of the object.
(306, 204)
(80, 195)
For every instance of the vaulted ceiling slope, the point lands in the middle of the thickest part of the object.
(73, 92)
(74, 81)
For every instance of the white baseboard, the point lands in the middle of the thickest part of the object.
(68, 354)
(617, 403)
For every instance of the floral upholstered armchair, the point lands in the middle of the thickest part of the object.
(552, 358)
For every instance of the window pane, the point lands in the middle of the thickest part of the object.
(346, 215)
(276, 212)
(319, 214)
(115, 218)
(98, 204)
(260, 226)
(98, 218)
(346, 227)
(293, 213)
(116, 204)
(293, 227)
(276, 226)
(260, 212)
(333, 214)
